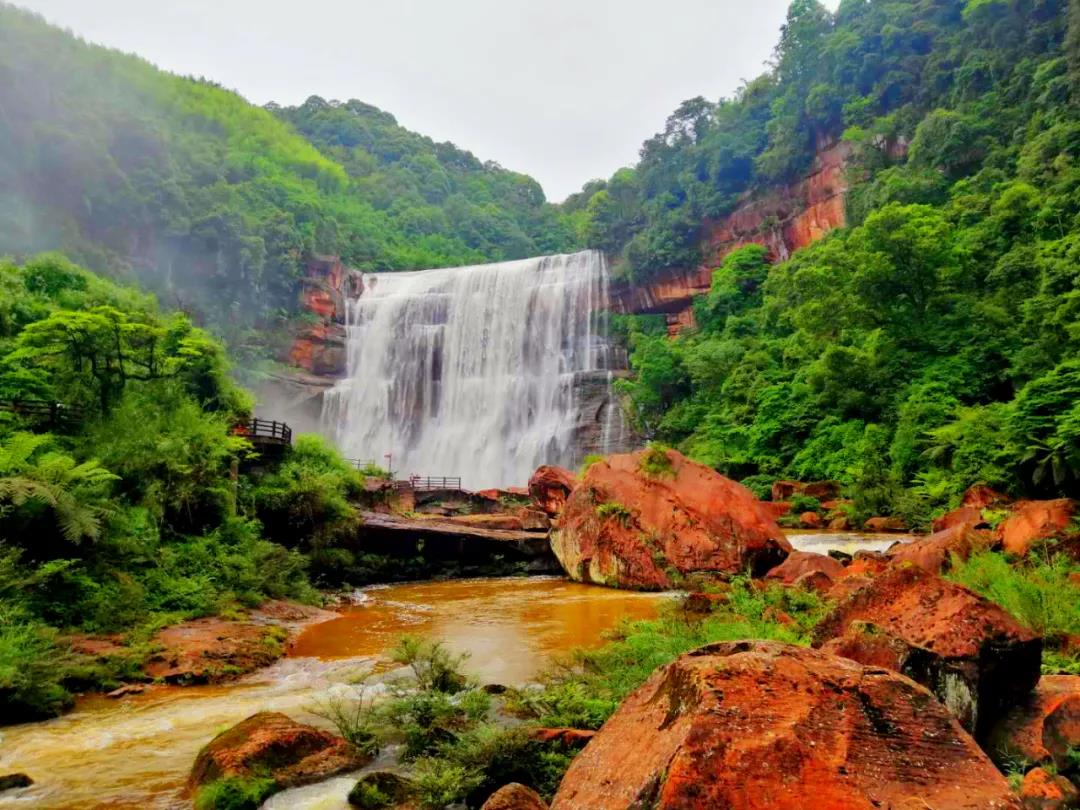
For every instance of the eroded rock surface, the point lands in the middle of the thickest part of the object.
(550, 487)
(750, 725)
(969, 652)
(628, 527)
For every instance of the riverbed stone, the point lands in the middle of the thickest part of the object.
(399, 790)
(14, 781)
(648, 520)
(1043, 790)
(748, 725)
(271, 744)
(515, 796)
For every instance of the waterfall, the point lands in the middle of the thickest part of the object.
(474, 371)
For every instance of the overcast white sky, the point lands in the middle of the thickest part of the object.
(565, 90)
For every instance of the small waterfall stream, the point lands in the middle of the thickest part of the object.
(478, 371)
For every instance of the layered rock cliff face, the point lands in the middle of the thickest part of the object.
(782, 219)
(317, 353)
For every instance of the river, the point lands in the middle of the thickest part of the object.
(136, 752)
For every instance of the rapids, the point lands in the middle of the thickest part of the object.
(479, 371)
(136, 752)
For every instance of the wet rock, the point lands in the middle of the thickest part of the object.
(272, 744)
(935, 553)
(885, 524)
(549, 488)
(810, 520)
(127, 690)
(1043, 727)
(748, 725)
(776, 509)
(14, 781)
(968, 516)
(533, 520)
(981, 497)
(822, 490)
(1042, 790)
(800, 563)
(374, 789)
(1031, 521)
(515, 797)
(841, 557)
(969, 652)
(211, 650)
(627, 527)
(816, 581)
(564, 737)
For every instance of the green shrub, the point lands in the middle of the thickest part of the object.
(357, 721)
(655, 462)
(235, 793)
(804, 503)
(588, 461)
(440, 782)
(32, 668)
(435, 668)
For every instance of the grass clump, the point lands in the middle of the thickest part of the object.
(655, 462)
(616, 511)
(235, 793)
(1038, 591)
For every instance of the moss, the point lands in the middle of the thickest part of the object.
(235, 793)
(616, 511)
(655, 463)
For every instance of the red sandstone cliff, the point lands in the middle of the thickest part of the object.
(782, 219)
(319, 348)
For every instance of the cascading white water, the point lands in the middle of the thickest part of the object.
(471, 371)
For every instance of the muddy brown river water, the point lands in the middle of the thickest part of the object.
(136, 752)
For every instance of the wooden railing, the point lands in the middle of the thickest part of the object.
(430, 483)
(54, 414)
(265, 431)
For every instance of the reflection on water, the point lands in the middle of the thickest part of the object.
(847, 542)
(136, 753)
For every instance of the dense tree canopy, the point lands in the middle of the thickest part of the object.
(932, 344)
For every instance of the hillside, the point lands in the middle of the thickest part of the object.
(929, 344)
(214, 203)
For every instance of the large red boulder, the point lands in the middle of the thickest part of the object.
(810, 520)
(1031, 521)
(753, 725)
(935, 553)
(549, 488)
(647, 519)
(973, 655)
(271, 744)
(1044, 727)
(800, 563)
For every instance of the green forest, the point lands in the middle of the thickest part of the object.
(933, 343)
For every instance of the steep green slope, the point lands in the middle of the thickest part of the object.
(436, 193)
(935, 343)
(213, 202)
(873, 71)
